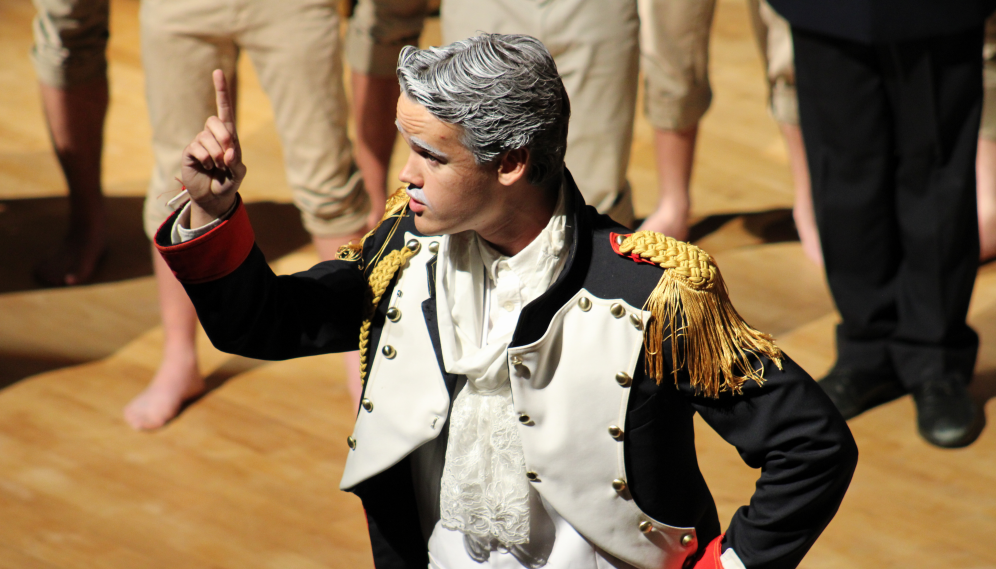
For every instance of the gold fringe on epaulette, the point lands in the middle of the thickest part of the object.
(691, 302)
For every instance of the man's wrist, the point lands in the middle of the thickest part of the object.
(203, 214)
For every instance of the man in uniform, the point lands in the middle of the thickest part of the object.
(531, 369)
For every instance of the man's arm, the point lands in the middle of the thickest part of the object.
(246, 309)
(243, 306)
(789, 429)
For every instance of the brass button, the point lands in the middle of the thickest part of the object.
(525, 419)
(351, 442)
(584, 303)
(367, 405)
(389, 352)
(619, 485)
(532, 476)
(413, 245)
(434, 247)
(687, 539)
(620, 239)
(516, 360)
(646, 527)
(615, 432)
(623, 379)
(636, 321)
(617, 310)
(393, 314)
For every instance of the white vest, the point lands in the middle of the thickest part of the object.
(570, 388)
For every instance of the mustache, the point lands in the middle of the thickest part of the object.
(416, 193)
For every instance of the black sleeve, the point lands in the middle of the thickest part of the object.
(254, 313)
(789, 429)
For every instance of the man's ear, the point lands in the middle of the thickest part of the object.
(512, 166)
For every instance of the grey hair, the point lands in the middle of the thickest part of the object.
(502, 90)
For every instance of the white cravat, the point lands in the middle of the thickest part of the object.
(489, 514)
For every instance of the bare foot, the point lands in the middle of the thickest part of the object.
(671, 219)
(176, 382)
(75, 262)
(809, 236)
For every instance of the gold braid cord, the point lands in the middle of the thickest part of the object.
(396, 203)
(384, 270)
(380, 277)
(691, 301)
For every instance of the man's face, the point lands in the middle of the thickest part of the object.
(452, 193)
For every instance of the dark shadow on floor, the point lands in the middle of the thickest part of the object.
(770, 226)
(15, 367)
(237, 365)
(31, 229)
(983, 389)
(983, 386)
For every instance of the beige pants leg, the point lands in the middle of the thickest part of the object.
(988, 128)
(70, 41)
(182, 42)
(774, 38)
(378, 30)
(674, 47)
(295, 47)
(595, 45)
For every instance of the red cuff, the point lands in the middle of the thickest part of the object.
(212, 255)
(710, 558)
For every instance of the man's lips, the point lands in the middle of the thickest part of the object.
(417, 196)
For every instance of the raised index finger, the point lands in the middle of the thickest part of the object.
(225, 111)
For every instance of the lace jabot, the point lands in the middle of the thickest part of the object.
(484, 491)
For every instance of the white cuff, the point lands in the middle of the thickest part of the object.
(181, 233)
(730, 560)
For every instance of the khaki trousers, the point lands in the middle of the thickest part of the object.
(988, 128)
(596, 47)
(70, 41)
(378, 30)
(675, 56)
(294, 46)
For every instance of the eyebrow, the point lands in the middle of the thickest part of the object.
(416, 141)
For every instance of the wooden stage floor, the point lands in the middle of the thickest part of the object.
(247, 476)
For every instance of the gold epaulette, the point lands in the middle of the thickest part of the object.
(385, 267)
(691, 302)
(396, 203)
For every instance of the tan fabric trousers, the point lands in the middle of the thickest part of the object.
(70, 41)
(595, 45)
(294, 46)
(988, 128)
(378, 30)
(675, 56)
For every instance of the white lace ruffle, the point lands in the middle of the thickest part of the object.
(484, 491)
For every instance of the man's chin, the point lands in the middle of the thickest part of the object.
(427, 226)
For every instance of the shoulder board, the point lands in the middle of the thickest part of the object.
(691, 304)
(395, 204)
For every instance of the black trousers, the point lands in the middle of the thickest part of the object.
(891, 132)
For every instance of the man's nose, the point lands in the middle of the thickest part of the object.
(410, 173)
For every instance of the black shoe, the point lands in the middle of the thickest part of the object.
(945, 413)
(856, 391)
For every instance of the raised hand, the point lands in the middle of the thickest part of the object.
(212, 167)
